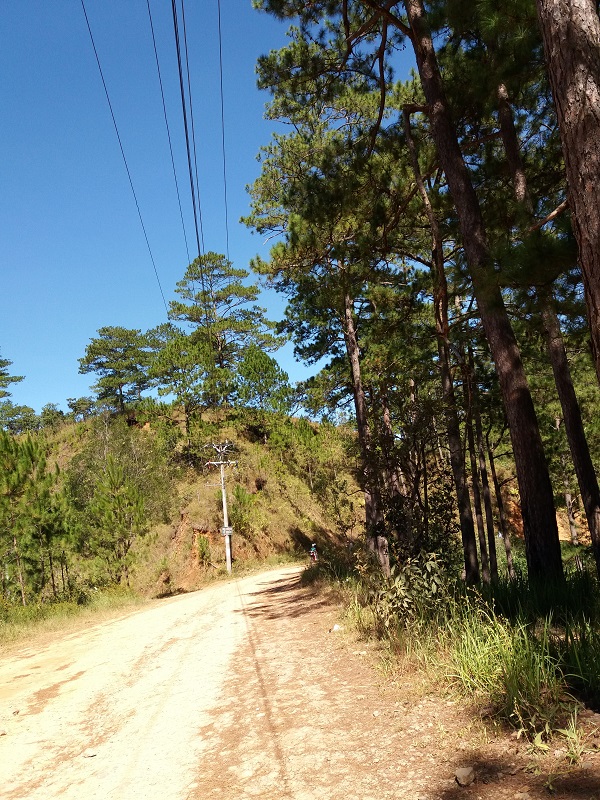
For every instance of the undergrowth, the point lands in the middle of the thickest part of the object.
(529, 654)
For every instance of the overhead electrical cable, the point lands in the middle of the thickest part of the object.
(197, 213)
(162, 94)
(223, 130)
(192, 125)
(197, 222)
(123, 155)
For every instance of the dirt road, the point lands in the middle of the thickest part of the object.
(242, 690)
(115, 711)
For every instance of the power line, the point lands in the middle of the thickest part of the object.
(197, 215)
(137, 205)
(162, 94)
(197, 223)
(189, 88)
(223, 130)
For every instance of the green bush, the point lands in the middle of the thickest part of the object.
(416, 588)
(203, 549)
(240, 511)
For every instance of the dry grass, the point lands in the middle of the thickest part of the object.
(38, 624)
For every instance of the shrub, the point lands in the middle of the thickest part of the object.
(203, 549)
(418, 587)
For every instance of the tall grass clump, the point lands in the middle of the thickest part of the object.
(582, 660)
(576, 597)
(473, 642)
(532, 650)
(514, 667)
(534, 694)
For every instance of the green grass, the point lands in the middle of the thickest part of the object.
(576, 598)
(20, 623)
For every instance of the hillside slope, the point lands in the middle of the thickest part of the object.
(288, 484)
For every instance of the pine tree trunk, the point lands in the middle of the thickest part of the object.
(571, 34)
(570, 515)
(442, 328)
(487, 503)
(510, 142)
(584, 468)
(50, 561)
(392, 471)
(17, 553)
(377, 543)
(485, 484)
(501, 514)
(580, 453)
(186, 423)
(425, 493)
(440, 458)
(535, 489)
(485, 564)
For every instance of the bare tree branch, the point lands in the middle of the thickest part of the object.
(552, 215)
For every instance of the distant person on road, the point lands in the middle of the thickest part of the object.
(313, 553)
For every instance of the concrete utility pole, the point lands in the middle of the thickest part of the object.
(226, 530)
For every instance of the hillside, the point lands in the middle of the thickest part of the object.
(280, 499)
(115, 500)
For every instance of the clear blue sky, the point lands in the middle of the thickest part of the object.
(73, 257)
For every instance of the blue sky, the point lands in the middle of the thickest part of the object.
(73, 257)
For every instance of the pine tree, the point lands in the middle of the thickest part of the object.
(179, 367)
(340, 41)
(6, 379)
(18, 419)
(26, 508)
(80, 407)
(262, 384)
(119, 356)
(223, 319)
(117, 516)
(571, 34)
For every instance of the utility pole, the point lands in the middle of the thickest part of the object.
(222, 451)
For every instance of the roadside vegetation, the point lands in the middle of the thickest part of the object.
(47, 619)
(522, 655)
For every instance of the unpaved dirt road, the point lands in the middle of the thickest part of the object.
(115, 711)
(241, 690)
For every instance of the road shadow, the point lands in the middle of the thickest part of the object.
(285, 597)
(511, 775)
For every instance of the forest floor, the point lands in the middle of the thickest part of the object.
(253, 688)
